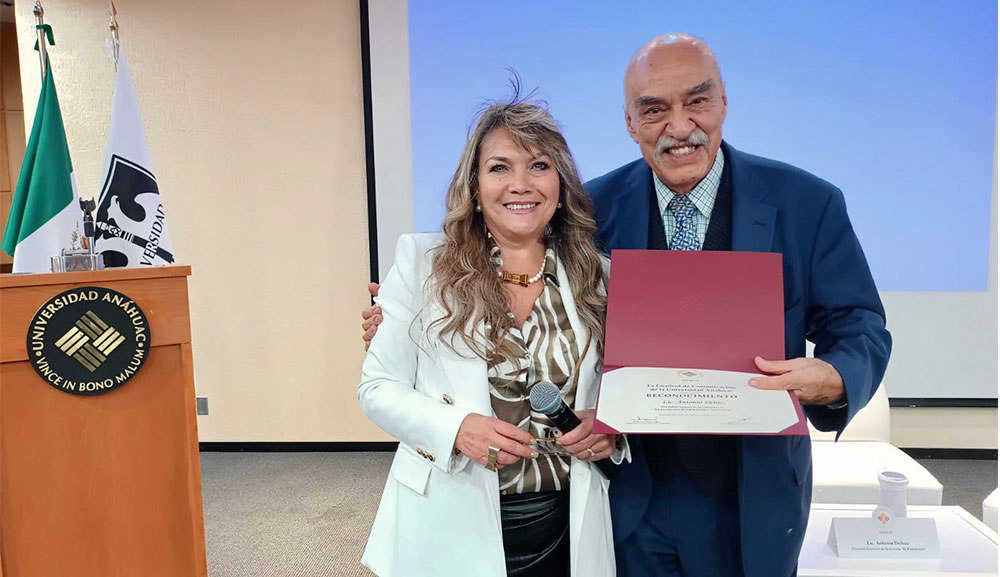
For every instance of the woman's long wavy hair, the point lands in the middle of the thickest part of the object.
(466, 282)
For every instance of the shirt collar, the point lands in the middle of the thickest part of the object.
(702, 195)
(549, 270)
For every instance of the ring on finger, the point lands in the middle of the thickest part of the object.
(491, 459)
(590, 451)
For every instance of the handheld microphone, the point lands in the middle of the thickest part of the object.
(545, 399)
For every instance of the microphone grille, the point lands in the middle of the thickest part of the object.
(543, 396)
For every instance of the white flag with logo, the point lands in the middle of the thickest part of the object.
(130, 225)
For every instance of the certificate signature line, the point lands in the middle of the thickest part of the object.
(647, 421)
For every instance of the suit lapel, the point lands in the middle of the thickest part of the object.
(753, 220)
(657, 236)
(633, 230)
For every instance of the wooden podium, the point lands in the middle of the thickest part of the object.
(104, 485)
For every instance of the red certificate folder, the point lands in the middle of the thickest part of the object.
(695, 309)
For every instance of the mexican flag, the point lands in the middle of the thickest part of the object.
(45, 216)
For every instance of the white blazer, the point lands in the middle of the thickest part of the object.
(440, 514)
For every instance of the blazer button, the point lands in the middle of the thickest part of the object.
(430, 456)
(447, 400)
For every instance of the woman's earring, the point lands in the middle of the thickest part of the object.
(559, 205)
(479, 208)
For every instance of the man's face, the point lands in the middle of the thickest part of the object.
(675, 107)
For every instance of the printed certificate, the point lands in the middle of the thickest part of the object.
(694, 401)
(669, 310)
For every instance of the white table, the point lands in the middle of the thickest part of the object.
(968, 547)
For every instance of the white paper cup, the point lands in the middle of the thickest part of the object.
(892, 492)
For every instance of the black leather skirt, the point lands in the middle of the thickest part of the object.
(536, 533)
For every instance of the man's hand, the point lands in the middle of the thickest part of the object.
(814, 381)
(581, 438)
(477, 433)
(372, 317)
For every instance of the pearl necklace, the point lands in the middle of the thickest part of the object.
(514, 278)
(521, 279)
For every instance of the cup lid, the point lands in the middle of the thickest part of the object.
(892, 477)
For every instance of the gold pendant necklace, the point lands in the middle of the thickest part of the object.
(521, 279)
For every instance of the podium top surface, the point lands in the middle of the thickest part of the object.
(82, 277)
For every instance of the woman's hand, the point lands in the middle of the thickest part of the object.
(585, 445)
(477, 433)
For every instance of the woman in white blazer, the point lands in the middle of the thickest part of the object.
(511, 294)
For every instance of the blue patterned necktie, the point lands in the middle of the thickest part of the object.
(685, 236)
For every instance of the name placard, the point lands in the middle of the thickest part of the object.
(884, 538)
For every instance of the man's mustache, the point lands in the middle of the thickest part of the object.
(696, 138)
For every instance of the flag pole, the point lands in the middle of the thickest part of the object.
(113, 25)
(39, 13)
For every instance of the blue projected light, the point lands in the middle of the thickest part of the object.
(892, 101)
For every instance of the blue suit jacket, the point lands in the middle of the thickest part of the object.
(830, 299)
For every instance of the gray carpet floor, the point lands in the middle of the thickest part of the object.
(966, 483)
(290, 514)
(308, 514)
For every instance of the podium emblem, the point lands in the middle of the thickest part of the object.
(88, 340)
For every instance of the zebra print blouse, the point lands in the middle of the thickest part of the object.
(544, 349)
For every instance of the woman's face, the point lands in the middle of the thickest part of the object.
(518, 189)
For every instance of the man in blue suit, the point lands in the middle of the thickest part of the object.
(701, 506)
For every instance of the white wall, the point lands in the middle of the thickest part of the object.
(944, 427)
(253, 112)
